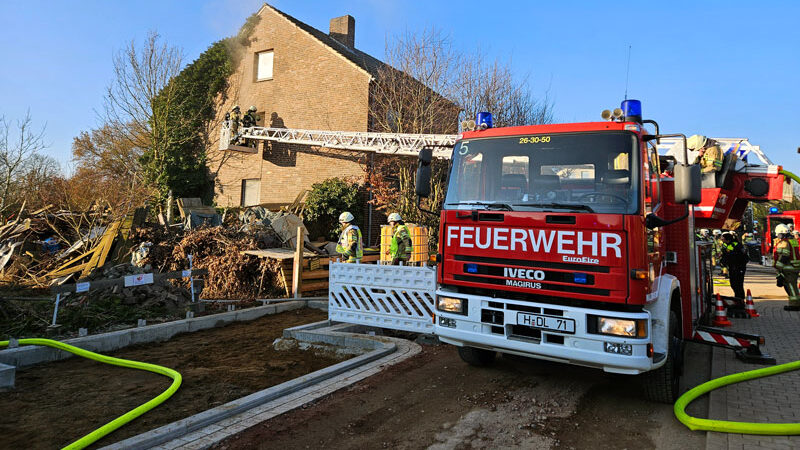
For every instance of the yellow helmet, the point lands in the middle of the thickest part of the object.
(781, 229)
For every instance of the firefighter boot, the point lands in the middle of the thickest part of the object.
(790, 284)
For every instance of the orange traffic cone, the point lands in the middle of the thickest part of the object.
(749, 306)
(721, 316)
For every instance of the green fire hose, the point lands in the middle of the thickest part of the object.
(725, 426)
(128, 416)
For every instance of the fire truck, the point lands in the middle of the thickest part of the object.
(775, 217)
(565, 242)
(575, 243)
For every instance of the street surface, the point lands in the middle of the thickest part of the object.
(436, 401)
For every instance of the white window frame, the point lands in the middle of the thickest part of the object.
(258, 66)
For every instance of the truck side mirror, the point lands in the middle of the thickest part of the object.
(423, 187)
(688, 184)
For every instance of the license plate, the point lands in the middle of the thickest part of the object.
(548, 323)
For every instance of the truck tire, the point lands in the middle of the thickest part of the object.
(663, 384)
(477, 357)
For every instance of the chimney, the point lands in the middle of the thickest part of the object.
(343, 29)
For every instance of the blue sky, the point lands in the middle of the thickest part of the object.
(726, 69)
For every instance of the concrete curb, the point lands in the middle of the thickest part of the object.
(106, 342)
(204, 429)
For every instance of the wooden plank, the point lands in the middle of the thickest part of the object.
(281, 254)
(297, 269)
(315, 286)
(315, 274)
(286, 277)
(100, 255)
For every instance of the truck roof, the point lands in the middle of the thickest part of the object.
(549, 128)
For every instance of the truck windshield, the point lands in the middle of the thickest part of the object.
(581, 172)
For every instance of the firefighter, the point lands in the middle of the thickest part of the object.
(251, 118)
(786, 260)
(709, 154)
(400, 246)
(235, 117)
(735, 259)
(350, 244)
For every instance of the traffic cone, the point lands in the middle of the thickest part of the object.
(721, 317)
(749, 306)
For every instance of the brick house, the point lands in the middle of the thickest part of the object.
(297, 77)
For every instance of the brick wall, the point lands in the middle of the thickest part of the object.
(312, 87)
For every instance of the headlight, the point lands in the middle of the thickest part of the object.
(622, 327)
(453, 305)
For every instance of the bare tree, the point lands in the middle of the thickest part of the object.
(483, 85)
(410, 92)
(18, 147)
(142, 103)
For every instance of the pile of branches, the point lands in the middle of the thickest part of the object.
(231, 274)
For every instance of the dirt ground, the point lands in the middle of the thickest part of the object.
(436, 401)
(57, 403)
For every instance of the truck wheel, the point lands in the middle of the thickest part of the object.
(663, 384)
(476, 356)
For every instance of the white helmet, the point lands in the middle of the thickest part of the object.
(717, 232)
(696, 142)
(781, 229)
(346, 217)
(704, 231)
(394, 217)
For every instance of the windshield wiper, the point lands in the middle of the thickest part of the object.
(557, 206)
(488, 205)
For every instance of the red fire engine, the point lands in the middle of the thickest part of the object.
(575, 243)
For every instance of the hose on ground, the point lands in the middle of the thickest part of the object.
(128, 416)
(724, 426)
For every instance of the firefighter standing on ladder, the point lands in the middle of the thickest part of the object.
(786, 259)
(400, 246)
(350, 244)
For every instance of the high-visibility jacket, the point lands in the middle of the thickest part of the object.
(787, 254)
(350, 244)
(712, 159)
(400, 247)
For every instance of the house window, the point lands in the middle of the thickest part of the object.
(251, 192)
(264, 65)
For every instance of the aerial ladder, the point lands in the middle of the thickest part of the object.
(400, 144)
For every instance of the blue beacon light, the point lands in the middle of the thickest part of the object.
(632, 110)
(484, 120)
(774, 210)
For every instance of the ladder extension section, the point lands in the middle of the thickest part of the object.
(390, 143)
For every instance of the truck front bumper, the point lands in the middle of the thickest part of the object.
(503, 325)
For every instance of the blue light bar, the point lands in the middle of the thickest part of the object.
(580, 278)
(632, 108)
(774, 210)
(471, 268)
(484, 118)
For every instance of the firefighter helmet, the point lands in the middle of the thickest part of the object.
(696, 142)
(253, 108)
(781, 229)
(235, 108)
(394, 217)
(346, 217)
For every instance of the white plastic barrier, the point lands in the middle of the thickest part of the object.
(395, 297)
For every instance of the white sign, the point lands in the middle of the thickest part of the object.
(138, 280)
(82, 287)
